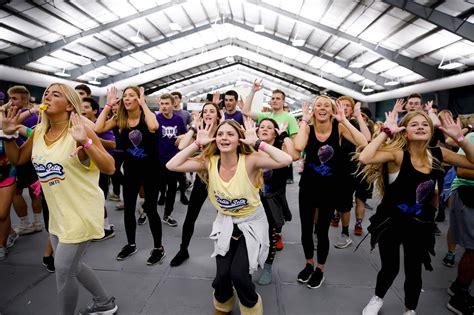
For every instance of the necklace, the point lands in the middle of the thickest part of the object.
(57, 137)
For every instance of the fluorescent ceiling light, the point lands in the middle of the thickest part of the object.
(298, 42)
(62, 74)
(230, 59)
(392, 82)
(356, 65)
(450, 65)
(259, 28)
(367, 89)
(94, 81)
(175, 27)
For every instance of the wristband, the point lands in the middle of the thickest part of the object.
(29, 131)
(262, 145)
(88, 144)
(461, 138)
(387, 131)
(257, 144)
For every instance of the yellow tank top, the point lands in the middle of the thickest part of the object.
(237, 197)
(75, 201)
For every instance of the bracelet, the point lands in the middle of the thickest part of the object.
(88, 144)
(257, 144)
(387, 131)
(198, 144)
(304, 120)
(262, 145)
(461, 138)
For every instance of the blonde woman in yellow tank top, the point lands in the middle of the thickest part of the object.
(231, 165)
(68, 156)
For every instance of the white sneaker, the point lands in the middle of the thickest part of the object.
(3, 253)
(410, 312)
(38, 226)
(25, 229)
(114, 197)
(343, 241)
(373, 307)
(12, 239)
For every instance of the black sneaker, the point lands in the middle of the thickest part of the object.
(449, 259)
(97, 307)
(184, 200)
(108, 233)
(48, 262)
(142, 219)
(180, 257)
(316, 279)
(162, 200)
(156, 256)
(306, 273)
(170, 221)
(461, 303)
(454, 289)
(127, 251)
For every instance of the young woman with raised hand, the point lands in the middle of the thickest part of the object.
(240, 232)
(405, 170)
(273, 194)
(68, 157)
(209, 115)
(137, 125)
(321, 179)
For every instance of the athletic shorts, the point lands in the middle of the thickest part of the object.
(25, 176)
(461, 219)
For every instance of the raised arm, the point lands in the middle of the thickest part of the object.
(10, 126)
(301, 138)
(371, 154)
(364, 129)
(247, 108)
(92, 149)
(434, 118)
(288, 145)
(150, 117)
(453, 130)
(182, 161)
(102, 124)
(348, 130)
(187, 138)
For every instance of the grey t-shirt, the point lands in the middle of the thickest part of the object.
(185, 115)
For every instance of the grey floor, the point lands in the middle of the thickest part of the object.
(27, 288)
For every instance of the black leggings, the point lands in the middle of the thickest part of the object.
(272, 233)
(307, 212)
(134, 174)
(233, 271)
(389, 248)
(168, 183)
(117, 177)
(196, 200)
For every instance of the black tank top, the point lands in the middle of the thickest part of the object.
(138, 143)
(411, 194)
(274, 179)
(322, 163)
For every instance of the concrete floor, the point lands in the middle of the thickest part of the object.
(27, 288)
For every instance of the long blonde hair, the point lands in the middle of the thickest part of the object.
(212, 149)
(121, 116)
(377, 174)
(333, 107)
(72, 99)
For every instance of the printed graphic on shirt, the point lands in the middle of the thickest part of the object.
(136, 137)
(229, 204)
(325, 153)
(50, 173)
(169, 131)
(422, 192)
(267, 174)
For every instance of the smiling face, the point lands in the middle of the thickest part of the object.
(227, 138)
(322, 109)
(87, 111)
(418, 129)
(266, 131)
(210, 114)
(130, 99)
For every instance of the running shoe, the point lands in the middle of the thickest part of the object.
(170, 221)
(343, 241)
(25, 229)
(127, 251)
(156, 256)
(108, 233)
(306, 273)
(12, 239)
(38, 226)
(48, 262)
(461, 303)
(180, 257)
(98, 307)
(316, 279)
(373, 307)
(358, 229)
(335, 220)
(120, 206)
(142, 219)
(449, 259)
